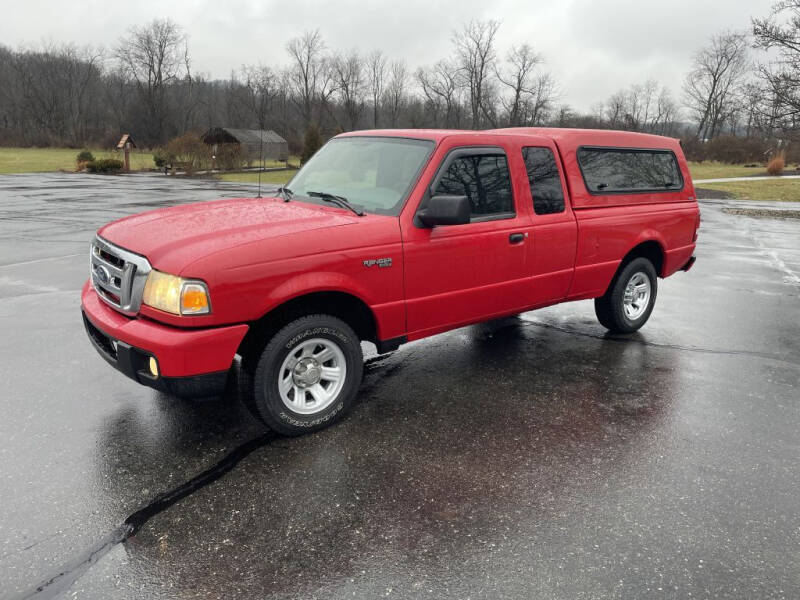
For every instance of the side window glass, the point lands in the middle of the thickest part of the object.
(625, 170)
(545, 180)
(484, 179)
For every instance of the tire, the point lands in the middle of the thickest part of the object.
(307, 376)
(621, 314)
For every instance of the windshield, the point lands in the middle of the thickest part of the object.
(375, 174)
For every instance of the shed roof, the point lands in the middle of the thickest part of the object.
(243, 136)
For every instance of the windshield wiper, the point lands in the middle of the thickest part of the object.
(285, 193)
(339, 201)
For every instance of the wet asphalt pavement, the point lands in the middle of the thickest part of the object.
(529, 458)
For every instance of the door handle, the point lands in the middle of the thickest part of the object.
(516, 238)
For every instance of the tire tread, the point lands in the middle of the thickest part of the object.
(608, 307)
(255, 371)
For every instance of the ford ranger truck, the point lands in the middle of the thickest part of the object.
(386, 237)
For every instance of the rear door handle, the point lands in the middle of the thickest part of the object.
(516, 238)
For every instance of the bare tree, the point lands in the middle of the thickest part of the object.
(53, 90)
(396, 90)
(260, 84)
(710, 87)
(476, 58)
(644, 106)
(153, 57)
(761, 110)
(650, 93)
(640, 100)
(520, 81)
(309, 71)
(782, 76)
(541, 103)
(9, 110)
(350, 82)
(440, 86)
(376, 75)
(667, 112)
(564, 116)
(597, 113)
(616, 108)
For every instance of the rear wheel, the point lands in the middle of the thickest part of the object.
(630, 298)
(307, 375)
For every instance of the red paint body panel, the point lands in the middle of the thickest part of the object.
(256, 254)
(172, 238)
(180, 352)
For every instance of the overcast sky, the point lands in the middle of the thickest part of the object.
(593, 47)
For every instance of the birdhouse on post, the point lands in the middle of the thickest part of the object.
(125, 144)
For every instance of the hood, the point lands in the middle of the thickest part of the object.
(173, 237)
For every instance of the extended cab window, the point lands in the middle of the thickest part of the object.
(620, 170)
(483, 179)
(545, 180)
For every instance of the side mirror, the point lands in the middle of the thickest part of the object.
(445, 210)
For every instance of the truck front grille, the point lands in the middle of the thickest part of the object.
(118, 275)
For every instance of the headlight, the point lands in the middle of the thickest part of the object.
(176, 295)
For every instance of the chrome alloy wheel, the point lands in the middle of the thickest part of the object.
(637, 296)
(311, 376)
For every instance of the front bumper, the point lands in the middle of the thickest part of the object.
(192, 362)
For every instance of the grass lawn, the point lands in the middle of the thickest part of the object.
(39, 160)
(35, 160)
(710, 169)
(782, 190)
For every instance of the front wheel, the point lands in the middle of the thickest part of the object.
(630, 299)
(307, 375)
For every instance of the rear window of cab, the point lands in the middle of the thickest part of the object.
(629, 170)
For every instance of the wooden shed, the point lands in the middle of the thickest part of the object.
(252, 142)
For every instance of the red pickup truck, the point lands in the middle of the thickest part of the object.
(386, 237)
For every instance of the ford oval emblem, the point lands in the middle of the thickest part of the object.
(102, 274)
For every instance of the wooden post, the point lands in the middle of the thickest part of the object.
(127, 157)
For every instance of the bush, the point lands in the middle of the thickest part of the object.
(229, 157)
(694, 149)
(104, 165)
(84, 156)
(190, 150)
(737, 150)
(311, 143)
(791, 153)
(728, 149)
(162, 158)
(776, 165)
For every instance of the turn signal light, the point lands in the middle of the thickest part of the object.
(194, 299)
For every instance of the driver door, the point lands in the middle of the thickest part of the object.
(460, 274)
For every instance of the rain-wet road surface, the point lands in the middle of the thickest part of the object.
(530, 458)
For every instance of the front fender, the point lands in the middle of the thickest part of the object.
(309, 283)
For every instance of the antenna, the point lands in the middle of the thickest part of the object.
(260, 157)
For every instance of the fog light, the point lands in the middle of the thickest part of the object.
(153, 366)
